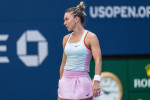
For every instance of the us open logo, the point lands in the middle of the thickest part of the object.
(28, 60)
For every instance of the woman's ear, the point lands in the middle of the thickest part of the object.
(77, 19)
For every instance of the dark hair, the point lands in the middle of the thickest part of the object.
(78, 11)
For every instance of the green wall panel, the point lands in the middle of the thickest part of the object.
(134, 75)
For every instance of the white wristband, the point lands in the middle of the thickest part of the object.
(97, 78)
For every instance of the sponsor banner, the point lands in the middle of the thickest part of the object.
(139, 75)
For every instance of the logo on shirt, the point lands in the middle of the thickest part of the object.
(76, 46)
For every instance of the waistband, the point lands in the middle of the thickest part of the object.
(68, 73)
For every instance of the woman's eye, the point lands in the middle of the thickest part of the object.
(66, 19)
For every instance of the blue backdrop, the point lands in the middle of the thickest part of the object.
(120, 32)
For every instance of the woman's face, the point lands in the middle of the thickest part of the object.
(69, 21)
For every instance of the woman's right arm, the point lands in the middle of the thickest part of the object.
(64, 56)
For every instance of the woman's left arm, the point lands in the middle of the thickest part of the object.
(96, 52)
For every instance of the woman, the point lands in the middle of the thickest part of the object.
(79, 47)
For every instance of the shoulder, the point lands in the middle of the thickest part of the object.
(91, 36)
(92, 39)
(65, 38)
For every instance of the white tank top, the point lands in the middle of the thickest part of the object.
(78, 55)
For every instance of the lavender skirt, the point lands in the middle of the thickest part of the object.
(75, 85)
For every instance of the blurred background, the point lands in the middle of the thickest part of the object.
(31, 34)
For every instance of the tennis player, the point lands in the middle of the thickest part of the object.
(79, 47)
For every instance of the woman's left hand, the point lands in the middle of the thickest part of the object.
(96, 89)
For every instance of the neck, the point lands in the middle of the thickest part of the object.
(78, 30)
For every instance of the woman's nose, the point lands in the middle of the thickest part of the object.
(64, 22)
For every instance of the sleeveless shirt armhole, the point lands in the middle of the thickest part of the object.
(67, 40)
(84, 41)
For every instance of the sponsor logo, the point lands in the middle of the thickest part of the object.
(32, 36)
(29, 60)
(147, 67)
(119, 11)
(144, 82)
